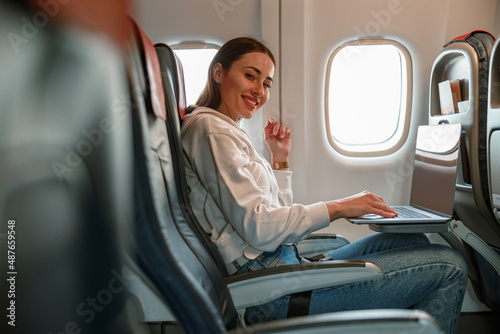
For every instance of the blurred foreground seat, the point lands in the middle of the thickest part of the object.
(65, 177)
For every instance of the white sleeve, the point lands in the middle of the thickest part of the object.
(242, 190)
(284, 179)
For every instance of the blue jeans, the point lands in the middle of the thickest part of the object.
(416, 275)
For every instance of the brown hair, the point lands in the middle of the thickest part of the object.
(230, 52)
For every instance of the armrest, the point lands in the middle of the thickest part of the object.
(321, 243)
(261, 286)
(148, 300)
(461, 231)
(359, 322)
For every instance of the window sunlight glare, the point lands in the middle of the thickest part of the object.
(365, 91)
(195, 63)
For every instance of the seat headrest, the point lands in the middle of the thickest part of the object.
(152, 72)
(464, 37)
(181, 93)
(174, 67)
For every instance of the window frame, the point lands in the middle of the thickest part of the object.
(194, 45)
(378, 149)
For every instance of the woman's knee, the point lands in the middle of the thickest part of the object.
(420, 239)
(450, 256)
(403, 239)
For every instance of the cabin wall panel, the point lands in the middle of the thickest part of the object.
(467, 15)
(325, 174)
(423, 26)
(213, 21)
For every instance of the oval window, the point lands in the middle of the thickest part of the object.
(368, 97)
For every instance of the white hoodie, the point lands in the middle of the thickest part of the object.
(243, 204)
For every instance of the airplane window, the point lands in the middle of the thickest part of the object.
(367, 97)
(195, 60)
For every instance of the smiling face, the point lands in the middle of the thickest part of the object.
(244, 87)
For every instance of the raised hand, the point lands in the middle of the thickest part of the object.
(278, 140)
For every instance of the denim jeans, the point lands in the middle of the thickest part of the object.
(416, 275)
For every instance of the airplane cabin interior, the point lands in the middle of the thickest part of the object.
(99, 231)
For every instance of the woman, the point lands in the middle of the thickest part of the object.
(245, 204)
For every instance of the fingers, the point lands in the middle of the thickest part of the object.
(366, 203)
(270, 122)
(378, 206)
(385, 212)
(282, 132)
(276, 129)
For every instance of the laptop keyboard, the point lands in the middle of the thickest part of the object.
(404, 212)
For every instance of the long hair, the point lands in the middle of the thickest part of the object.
(230, 52)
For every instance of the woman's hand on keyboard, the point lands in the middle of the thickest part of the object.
(357, 205)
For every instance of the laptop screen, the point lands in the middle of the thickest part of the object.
(435, 170)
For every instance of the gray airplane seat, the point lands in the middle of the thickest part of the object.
(156, 197)
(459, 93)
(65, 180)
(493, 130)
(490, 279)
(171, 259)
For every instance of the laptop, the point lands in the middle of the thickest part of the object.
(433, 182)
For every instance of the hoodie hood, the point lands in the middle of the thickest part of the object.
(204, 111)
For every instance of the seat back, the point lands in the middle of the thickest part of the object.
(168, 251)
(65, 181)
(490, 281)
(467, 58)
(493, 130)
(173, 82)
